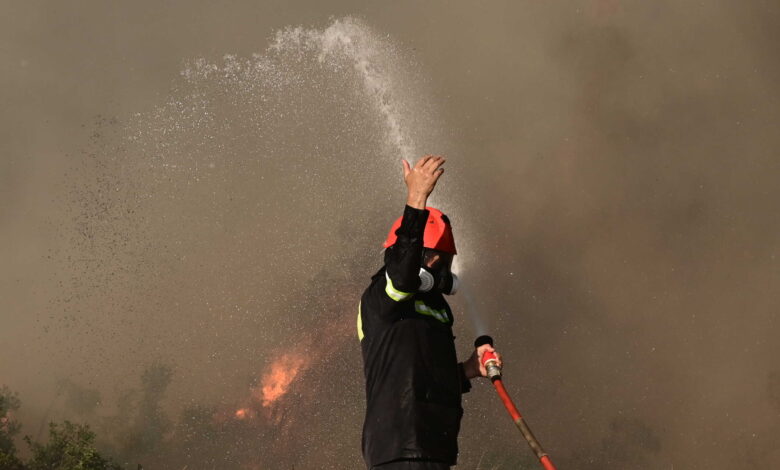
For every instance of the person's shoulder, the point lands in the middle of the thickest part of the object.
(377, 281)
(380, 274)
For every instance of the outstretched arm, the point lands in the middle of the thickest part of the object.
(404, 258)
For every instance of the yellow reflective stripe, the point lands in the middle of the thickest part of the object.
(394, 293)
(440, 315)
(360, 323)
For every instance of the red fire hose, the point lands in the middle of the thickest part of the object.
(494, 374)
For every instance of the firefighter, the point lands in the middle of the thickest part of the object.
(413, 379)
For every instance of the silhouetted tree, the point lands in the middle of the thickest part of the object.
(70, 447)
(139, 428)
(9, 427)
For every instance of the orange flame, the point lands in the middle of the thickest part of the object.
(276, 382)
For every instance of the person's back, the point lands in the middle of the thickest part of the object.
(413, 380)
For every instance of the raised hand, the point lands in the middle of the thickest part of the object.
(421, 179)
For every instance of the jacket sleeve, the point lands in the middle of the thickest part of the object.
(403, 259)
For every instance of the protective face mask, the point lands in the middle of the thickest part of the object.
(447, 283)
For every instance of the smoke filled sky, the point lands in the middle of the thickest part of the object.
(197, 186)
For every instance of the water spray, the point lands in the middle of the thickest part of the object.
(490, 362)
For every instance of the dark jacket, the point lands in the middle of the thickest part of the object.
(413, 379)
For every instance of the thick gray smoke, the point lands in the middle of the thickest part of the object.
(238, 207)
(612, 178)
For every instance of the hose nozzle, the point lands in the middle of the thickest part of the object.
(489, 359)
(491, 364)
